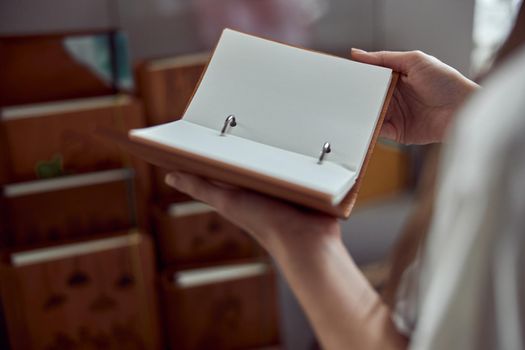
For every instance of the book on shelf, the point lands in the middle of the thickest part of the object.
(57, 66)
(231, 306)
(284, 121)
(81, 294)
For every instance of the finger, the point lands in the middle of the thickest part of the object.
(388, 131)
(200, 189)
(224, 185)
(218, 197)
(229, 201)
(222, 198)
(246, 209)
(398, 61)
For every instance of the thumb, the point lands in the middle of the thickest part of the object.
(388, 131)
(398, 61)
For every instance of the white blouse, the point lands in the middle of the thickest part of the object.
(467, 289)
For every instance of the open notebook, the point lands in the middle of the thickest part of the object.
(287, 103)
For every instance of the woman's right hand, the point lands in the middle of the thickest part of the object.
(426, 98)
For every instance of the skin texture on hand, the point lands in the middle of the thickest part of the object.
(427, 96)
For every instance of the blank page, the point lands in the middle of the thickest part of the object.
(329, 178)
(291, 98)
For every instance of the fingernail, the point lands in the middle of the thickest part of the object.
(358, 50)
(171, 179)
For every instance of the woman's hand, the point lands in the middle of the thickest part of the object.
(271, 222)
(343, 308)
(427, 96)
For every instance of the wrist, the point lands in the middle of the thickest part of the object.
(303, 241)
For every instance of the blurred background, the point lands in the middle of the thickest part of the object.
(96, 252)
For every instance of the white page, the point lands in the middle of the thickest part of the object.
(291, 98)
(328, 177)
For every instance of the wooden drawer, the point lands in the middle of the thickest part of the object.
(192, 233)
(223, 307)
(48, 211)
(56, 139)
(93, 294)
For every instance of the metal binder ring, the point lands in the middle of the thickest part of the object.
(230, 120)
(326, 149)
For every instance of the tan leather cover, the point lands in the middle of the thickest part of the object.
(180, 160)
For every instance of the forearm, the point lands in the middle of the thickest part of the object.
(343, 308)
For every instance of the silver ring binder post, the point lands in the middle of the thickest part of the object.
(326, 149)
(230, 120)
